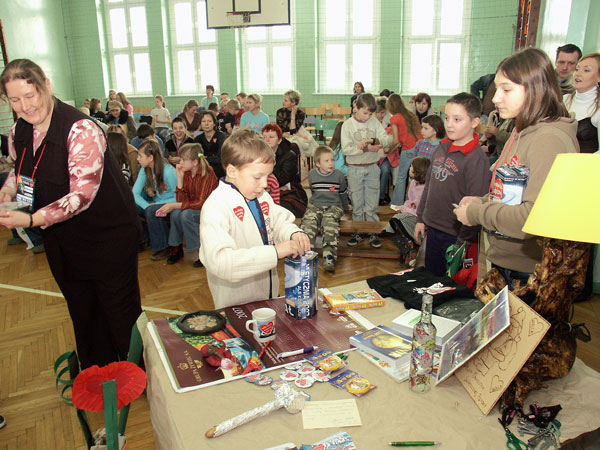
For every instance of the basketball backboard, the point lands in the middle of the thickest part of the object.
(247, 13)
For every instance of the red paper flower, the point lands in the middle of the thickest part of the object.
(87, 387)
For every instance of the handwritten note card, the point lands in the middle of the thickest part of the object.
(331, 414)
(489, 373)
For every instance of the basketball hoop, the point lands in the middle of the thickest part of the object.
(239, 19)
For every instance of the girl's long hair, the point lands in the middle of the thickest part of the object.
(337, 136)
(532, 69)
(117, 143)
(194, 152)
(395, 105)
(151, 148)
(420, 166)
(123, 98)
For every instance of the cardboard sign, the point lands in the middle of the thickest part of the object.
(490, 372)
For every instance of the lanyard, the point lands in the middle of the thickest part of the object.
(512, 138)
(36, 164)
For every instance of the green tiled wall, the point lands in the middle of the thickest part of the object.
(34, 29)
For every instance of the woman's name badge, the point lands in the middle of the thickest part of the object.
(25, 188)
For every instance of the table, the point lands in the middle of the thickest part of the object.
(389, 413)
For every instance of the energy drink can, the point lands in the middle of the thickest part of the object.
(301, 284)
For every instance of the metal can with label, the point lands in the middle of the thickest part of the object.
(301, 285)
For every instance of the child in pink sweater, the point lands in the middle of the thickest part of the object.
(407, 213)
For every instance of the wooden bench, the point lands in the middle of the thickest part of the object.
(349, 227)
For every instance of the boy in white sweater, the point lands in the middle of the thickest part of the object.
(362, 138)
(242, 231)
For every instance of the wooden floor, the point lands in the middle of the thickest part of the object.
(35, 328)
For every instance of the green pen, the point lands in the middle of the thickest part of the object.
(413, 443)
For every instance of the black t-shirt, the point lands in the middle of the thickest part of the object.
(413, 283)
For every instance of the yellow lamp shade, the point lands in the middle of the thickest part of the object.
(568, 205)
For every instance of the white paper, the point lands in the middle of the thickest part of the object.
(331, 414)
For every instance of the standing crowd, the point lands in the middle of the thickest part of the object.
(225, 180)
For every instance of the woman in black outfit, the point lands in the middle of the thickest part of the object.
(211, 140)
(85, 208)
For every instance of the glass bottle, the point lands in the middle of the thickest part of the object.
(423, 349)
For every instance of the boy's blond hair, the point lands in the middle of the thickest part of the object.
(257, 98)
(245, 146)
(320, 151)
(233, 103)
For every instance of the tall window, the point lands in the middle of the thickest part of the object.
(435, 50)
(128, 46)
(348, 44)
(194, 47)
(269, 63)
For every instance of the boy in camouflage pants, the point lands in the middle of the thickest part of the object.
(329, 196)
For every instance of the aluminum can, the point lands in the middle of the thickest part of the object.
(301, 285)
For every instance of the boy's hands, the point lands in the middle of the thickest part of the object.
(297, 246)
(366, 146)
(419, 232)
(302, 240)
(288, 248)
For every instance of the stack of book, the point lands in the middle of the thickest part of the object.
(386, 344)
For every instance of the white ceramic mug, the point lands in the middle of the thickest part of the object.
(262, 324)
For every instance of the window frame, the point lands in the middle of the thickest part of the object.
(196, 46)
(129, 50)
(436, 39)
(349, 40)
(269, 43)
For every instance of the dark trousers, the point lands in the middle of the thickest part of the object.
(103, 297)
(435, 250)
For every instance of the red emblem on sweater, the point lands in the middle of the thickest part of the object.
(239, 212)
(265, 208)
(332, 188)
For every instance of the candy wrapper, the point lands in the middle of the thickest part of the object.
(352, 382)
(339, 441)
(326, 361)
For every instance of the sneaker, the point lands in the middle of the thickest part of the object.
(15, 241)
(374, 240)
(161, 254)
(329, 263)
(176, 255)
(354, 240)
(197, 263)
(38, 249)
(2, 421)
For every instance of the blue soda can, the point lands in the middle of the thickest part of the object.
(301, 284)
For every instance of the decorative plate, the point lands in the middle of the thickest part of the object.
(201, 322)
